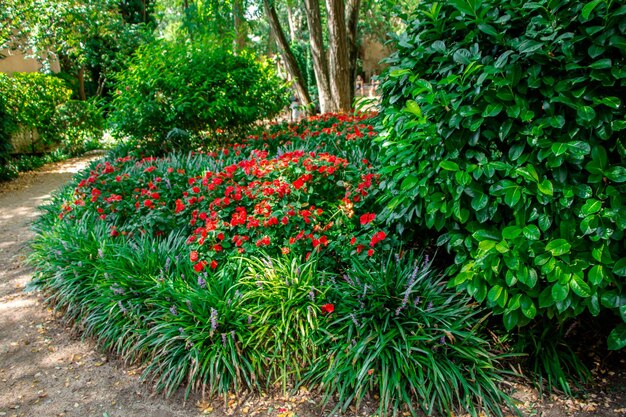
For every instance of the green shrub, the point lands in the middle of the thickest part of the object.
(193, 87)
(504, 136)
(30, 101)
(78, 125)
(396, 329)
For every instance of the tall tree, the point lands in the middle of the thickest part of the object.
(286, 54)
(318, 53)
(335, 75)
(339, 69)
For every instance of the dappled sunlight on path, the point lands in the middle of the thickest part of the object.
(43, 371)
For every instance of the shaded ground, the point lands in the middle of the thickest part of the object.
(46, 370)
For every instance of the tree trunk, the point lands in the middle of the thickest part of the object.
(81, 83)
(292, 19)
(352, 20)
(239, 25)
(320, 63)
(285, 52)
(339, 62)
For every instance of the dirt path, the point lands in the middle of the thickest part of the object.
(44, 369)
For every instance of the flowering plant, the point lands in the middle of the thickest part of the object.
(281, 191)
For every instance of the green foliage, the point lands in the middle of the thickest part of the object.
(194, 87)
(34, 101)
(504, 134)
(281, 297)
(550, 358)
(30, 101)
(78, 125)
(126, 272)
(399, 331)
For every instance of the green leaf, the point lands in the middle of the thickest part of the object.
(580, 287)
(544, 222)
(528, 307)
(510, 320)
(596, 275)
(559, 148)
(532, 232)
(409, 183)
(545, 298)
(480, 201)
(619, 268)
(414, 108)
(586, 113)
(545, 187)
(513, 196)
(492, 110)
(560, 292)
(612, 102)
(616, 173)
(498, 295)
(528, 278)
(592, 206)
(558, 247)
(464, 6)
(449, 165)
(529, 46)
(511, 232)
(588, 8)
(617, 337)
(601, 64)
(611, 299)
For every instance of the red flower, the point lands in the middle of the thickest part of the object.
(370, 252)
(213, 264)
(193, 256)
(179, 206)
(367, 217)
(298, 183)
(199, 266)
(328, 308)
(148, 203)
(378, 236)
(353, 240)
(264, 241)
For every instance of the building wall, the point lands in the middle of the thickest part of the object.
(15, 61)
(372, 52)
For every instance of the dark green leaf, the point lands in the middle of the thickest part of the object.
(592, 206)
(586, 113)
(617, 338)
(560, 292)
(619, 268)
(588, 8)
(616, 173)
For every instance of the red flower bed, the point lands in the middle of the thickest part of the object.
(247, 197)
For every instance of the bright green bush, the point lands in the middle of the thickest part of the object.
(193, 88)
(505, 139)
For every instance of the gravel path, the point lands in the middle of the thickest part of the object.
(46, 370)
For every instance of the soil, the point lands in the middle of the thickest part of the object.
(47, 370)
